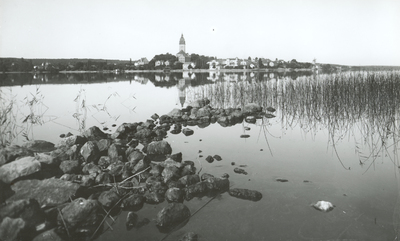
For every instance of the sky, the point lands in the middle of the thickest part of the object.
(348, 32)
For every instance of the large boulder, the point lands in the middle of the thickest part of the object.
(109, 198)
(133, 202)
(48, 192)
(174, 195)
(19, 168)
(39, 146)
(90, 152)
(171, 215)
(79, 216)
(175, 113)
(10, 153)
(158, 150)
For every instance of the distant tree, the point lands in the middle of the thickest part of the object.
(260, 63)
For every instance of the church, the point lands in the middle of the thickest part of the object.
(182, 56)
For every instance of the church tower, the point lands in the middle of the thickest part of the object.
(182, 45)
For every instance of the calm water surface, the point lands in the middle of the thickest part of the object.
(336, 132)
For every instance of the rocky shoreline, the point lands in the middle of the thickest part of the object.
(66, 191)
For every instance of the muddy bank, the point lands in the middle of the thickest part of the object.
(66, 191)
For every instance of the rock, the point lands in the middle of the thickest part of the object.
(323, 206)
(190, 236)
(269, 115)
(281, 180)
(116, 169)
(48, 192)
(176, 157)
(187, 131)
(174, 195)
(171, 215)
(250, 119)
(159, 148)
(155, 116)
(206, 176)
(133, 143)
(209, 159)
(141, 165)
(70, 167)
(156, 169)
(133, 202)
(153, 198)
(90, 152)
(244, 136)
(217, 184)
(175, 131)
(245, 194)
(195, 190)
(103, 178)
(114, 151)
(28, 210)
(200, 103)
(46, 159)
(189, 179)
(225, 175)
(170, 173)
(103, 145)
(75, 140)
(19, 168)
(239, 171)
(217, 157)
(170, 162)
(175, 113)
(203, 112)
(108, 198)
(79, 216)
(188, 170)
(165, 119)
(86, 180)
(94, 134)
(131, 220)
(144, 134)
(91, 169)
(10, 153)
(39, 146)
(271, 109)
(251, 109)
(49, 235)
(12, 229)
(135, 156)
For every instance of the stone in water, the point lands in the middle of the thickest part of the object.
(324, 206)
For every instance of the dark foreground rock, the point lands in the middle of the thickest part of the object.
(12, 229)
(80, 217)
(245, 194)
(171, 215)
(48, 192)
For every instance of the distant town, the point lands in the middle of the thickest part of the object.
(182, 61)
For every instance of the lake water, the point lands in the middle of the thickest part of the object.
(334, 138)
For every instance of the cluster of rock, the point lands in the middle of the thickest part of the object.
(55, 192)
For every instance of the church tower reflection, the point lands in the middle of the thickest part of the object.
(183, 83)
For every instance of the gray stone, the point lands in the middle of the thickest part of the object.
(134, 201)
(70, 167)
(11, 229)
(159, 148)
(170, 173)
(90, 152)
(154, 198)
(94, 134)
(39, 146)
(189, 179)
(49, 235)
(109, 198)
(245, 194)
(174, 195)
(175, 113)
(91, 169)
(19, 168)
(10, 153)
(187, 131)
(48, 192)
(135, 156)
